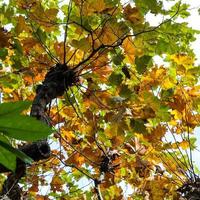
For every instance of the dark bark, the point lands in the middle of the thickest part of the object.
(36, 151)
(190, 190)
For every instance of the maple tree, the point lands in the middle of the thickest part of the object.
(119, 119)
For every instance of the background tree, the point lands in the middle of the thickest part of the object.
(120, 120)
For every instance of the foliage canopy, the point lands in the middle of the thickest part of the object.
(126, 120)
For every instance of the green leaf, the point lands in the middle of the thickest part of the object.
(163, 46)
(142, 63)
(16, 152)
(24, 128)
(41, 34)
(17, 63)
(7, 158)
(115, 79)
(125, 92)
(138, 126)
(117, 57)
(18, 47)
(82, 44)
(13, 108)
(163, 113)
(3, 53)
(183, 9)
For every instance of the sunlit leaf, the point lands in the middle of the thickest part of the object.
(7, 158)
(23, 127)
(13, 108)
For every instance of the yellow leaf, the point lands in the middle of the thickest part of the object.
(68, 135)
(194, 91)
(7, 90)
(103, 72)
(111, 131)
(83, 44)
(21, 25)
(184, 144)
(107, 35)
(177, 115)
(154, 78)
(168, 83)
(182, 59)
(76, 57)
(173, 122)
(129, 49)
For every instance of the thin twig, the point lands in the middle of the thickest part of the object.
(97, 189)
(66, 30)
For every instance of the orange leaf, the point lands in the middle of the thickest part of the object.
(184, 144)
(75, 159)
(129, 49)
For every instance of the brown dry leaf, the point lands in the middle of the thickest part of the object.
(133, 14)
(178, 104)
(156, 134)
(24, 4)
(59, 49)
(93, 155)
(40, 197)
(91, 6)
(100, 60)
(4, 38)
(34, 188)
(28, 44)
(117, 141)
(56, 183)
(156, 188)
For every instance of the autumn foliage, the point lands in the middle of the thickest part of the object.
(126, 125)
